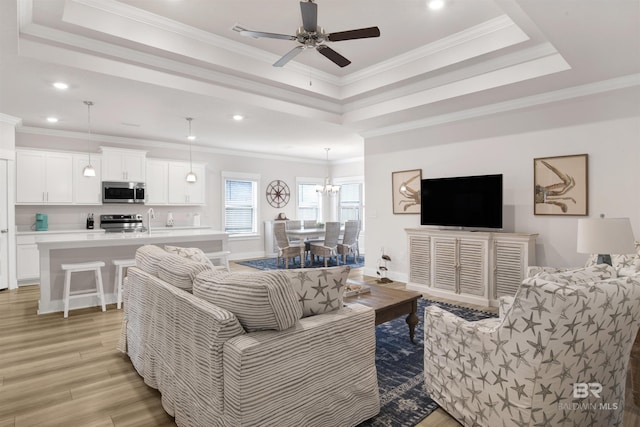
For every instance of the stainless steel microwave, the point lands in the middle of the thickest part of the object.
(122, 192)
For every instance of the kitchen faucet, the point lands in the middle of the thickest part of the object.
(150, 215)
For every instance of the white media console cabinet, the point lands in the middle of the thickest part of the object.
(476, 267)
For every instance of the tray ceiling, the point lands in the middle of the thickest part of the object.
(148, 64)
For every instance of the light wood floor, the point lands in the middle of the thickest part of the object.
(66, 372)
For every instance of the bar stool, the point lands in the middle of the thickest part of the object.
(121, 264)
(223, 256)
(76, 268)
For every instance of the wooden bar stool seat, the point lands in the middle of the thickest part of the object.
(76, 268)
(121, 264)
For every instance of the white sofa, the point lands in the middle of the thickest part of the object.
(215, 367)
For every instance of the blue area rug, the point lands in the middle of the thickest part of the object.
(399, 363)
(270, 263)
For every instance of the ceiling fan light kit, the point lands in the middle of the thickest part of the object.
(310, 36)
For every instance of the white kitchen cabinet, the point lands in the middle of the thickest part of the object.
(182, 192)
(27, 262)
(473, 267)
(87, 190)
(27, 258)
(44, 177)
(157, 182)
(119, 164)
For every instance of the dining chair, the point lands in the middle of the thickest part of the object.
(310, 223)
(329, 247)
(294, 224)
(349, 244)
(286, 249)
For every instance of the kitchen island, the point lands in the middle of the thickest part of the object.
(57, 249)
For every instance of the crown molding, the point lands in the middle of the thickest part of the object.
(448, 50)
(519, 57)
(135, 143)
(14, 121)
(454, 40)
(126, 12)
(516, 104)
(175, 67)
(493, 79)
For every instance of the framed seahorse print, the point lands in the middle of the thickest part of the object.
(560, 185)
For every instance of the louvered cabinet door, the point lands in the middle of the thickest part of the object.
(472, 278)
(445, 273)
(420, 260)
(509, 268)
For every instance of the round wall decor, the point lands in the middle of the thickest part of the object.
(278, 193)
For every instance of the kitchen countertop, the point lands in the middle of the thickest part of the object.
(93, 239)
(24, 232)
(61, 231)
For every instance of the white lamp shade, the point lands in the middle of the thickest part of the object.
(605, 236)
(191, 177)
(89, 171)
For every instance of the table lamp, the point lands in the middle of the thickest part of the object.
(605, 236)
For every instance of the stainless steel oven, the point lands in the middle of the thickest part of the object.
(122, 192)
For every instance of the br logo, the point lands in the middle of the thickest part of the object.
(582, 390)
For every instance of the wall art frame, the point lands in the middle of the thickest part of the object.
(561, 185)
(405, 188)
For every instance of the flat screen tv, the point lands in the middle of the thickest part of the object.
(466, 201)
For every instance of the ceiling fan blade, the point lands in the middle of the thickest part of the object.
(334, 56)
(259, 34)
(309, 16)
(289, 56)
(362, 33)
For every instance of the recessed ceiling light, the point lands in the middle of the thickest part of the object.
(61, 85)
(52, 119)
(436, 4)
(237, 117)
(191, 137)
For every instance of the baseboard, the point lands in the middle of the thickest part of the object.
(466, 298)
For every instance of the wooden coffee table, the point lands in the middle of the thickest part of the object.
(389, 304)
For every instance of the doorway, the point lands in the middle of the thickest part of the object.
(4, 226)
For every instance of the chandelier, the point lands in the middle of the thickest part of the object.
(327, 188)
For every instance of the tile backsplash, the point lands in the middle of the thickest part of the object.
(74, 217)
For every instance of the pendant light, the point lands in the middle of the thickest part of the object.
(327, 188)
(88, 170)
(191, 177)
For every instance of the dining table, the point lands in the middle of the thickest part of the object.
(305, 233)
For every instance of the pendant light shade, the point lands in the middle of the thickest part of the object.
(327, 188)
(191, 177)
(88, 170)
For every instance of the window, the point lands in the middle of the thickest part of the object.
(350, 205)
(309, 202)
(351, 198)
(240, 203)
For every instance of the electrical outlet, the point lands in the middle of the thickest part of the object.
(83, 216)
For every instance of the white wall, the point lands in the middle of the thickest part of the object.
(613, 145)
(268, 168)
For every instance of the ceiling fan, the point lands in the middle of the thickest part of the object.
(310, 36)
